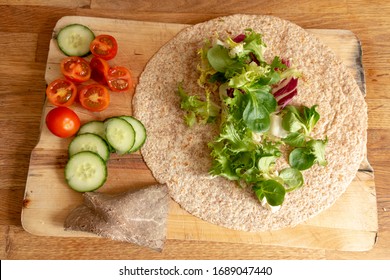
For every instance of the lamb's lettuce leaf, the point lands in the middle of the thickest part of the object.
(292, 177)
(300, 122)
(272, 190)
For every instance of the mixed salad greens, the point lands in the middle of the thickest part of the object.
(250, 99)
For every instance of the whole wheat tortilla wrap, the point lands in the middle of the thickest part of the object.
(179, 156)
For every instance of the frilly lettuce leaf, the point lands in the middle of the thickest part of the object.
(196, 109)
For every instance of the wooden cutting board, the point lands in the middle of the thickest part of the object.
(350, 224)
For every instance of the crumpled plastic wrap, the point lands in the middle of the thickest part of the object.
(138, 217)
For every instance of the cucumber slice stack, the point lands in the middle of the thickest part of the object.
(140, 132)
(90, 150)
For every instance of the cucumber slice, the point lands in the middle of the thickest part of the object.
(85, 172)
(74, 40)
(140, 132)
(120, 134)
(95, 127)
(89, 142)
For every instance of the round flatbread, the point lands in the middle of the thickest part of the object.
(179, 156)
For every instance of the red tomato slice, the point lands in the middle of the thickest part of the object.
(61, 92)
(99, 68)
(76, 69)
(104, 46)
(119, 79)
(62, 122)
(94, 97)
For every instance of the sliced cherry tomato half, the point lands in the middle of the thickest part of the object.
(76, 69)
(94, 97)
(104, 46)
(119, 79)
(61, 92)
(99, 68)
(62, 122)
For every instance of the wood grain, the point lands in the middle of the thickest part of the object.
(28, 27)
(351, 224)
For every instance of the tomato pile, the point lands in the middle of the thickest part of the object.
(89, 83)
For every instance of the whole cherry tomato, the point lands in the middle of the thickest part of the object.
(62, 122)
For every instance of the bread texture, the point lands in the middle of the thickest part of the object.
(179, 156)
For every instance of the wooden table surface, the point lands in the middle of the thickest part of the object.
(26, 28)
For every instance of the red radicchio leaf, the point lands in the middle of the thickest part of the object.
(254, 58)
(285, 91)
(290, 86)
(230, 92)
(286, 62)
(239, 38)
(283, 102)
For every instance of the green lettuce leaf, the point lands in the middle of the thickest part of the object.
(301, 158)
(317, 148)
(272, 190)
(292, 177)
(207, 111)
(220, 60)
(254, 44)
